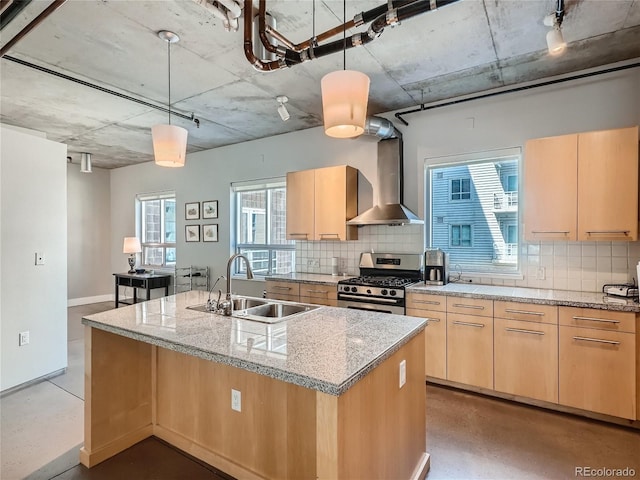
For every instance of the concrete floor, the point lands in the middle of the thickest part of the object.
(468, 436)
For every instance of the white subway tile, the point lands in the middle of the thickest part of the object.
(619, 249)
(560, 283)
(603, 249)
(589, 286)
(574, 284)
(560, 249)
(588, 250)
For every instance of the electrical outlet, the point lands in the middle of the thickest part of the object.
(236, 400)
(23, 338)
(313, 262)
(403, 373)
(541, 273)
(39, 258)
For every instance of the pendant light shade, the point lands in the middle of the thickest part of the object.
(555, 41)
(169, 141)
(169, 145)
(345, 94)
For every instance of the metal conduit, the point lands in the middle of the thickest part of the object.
(423, 107)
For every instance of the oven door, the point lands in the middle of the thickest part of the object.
(382, 305)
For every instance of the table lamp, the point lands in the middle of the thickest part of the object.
(131, 246)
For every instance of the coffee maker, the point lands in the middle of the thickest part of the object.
(436, 266)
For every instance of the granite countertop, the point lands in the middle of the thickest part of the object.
(318, 278)
(530, 295)
(327, 349)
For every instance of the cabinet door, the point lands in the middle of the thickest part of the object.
(608, 185)
(597, 371)
(470, 350)
(435, 359)
(300, 205)
(550, 188)
(526, 359)
(319, 294)
(335, 202)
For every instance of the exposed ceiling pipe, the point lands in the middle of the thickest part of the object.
(387, 14)
(31, 25)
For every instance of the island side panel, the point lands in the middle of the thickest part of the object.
(381, 427)
(118, 395)
(272, 437)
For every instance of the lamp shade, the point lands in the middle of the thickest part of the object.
(345, 94)
(169, 145)
(555, 41)
(131, 245)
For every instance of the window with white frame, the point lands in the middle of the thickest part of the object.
(260, 221)
(481, 233)
(156, 215)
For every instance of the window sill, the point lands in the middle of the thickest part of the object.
(469, 277)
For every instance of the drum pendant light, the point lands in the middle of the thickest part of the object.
(345, 94)
(169, 141)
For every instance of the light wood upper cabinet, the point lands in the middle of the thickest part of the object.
(300, 205)
(551, 188)
(319, 203)
(608, 185)
(582, 186)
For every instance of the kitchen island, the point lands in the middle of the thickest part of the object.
(315, 396)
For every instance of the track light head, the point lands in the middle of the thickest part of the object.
(282, 109)
(555, 41)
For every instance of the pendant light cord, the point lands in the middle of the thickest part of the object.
(344, 35)
(169, 74)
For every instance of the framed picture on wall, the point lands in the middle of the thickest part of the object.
(210, 209)
(210, 233)
(192, 211)
(192, 233)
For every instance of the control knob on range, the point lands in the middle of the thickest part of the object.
(392, 293)
(354, 289)
(368, 290)
(384, 291)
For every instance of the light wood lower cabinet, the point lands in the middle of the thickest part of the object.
(470, 349)
(319, 294)
(435, 341)
(287, 291)
(598, 371)
(526, 359)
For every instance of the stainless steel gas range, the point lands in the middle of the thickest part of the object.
(382, 282)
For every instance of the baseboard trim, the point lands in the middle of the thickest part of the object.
(74, 302)
(90, 459)
(29, 383)
(422, 468)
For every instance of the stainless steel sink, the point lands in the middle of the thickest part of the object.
(259, 310)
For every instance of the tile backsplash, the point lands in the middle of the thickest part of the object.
(580, 266)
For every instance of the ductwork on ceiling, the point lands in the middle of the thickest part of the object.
(226, 10)
(389, 210)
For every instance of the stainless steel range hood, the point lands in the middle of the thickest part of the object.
(389, 210)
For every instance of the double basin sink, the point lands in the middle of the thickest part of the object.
(262, 310)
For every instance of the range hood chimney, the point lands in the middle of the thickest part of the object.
(389, 210)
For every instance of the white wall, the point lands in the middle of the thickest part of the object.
(602, 102)
(34, 219)
(89, 278)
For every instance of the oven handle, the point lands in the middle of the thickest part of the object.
(371, 309)
(388, 301)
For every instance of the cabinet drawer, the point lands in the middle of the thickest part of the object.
(314, 290)
(470, 350)
(597, 371)
(329, 302)
(470, 306)
(282, 288)
(525, 311)
(424, 301)
(526, 359)
(600, 319)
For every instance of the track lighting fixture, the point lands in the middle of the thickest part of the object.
(555, 40)
(85, 163)
(282, 109)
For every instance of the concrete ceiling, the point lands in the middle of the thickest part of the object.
(468, 47)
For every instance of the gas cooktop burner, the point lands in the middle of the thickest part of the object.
(379, 281)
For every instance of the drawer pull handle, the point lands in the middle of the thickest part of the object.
(468, 324)
(522, 330)
(429, 302)
(318, 291)
(462, 305)
(564, 232)
(298, 234)
(615, 232)
(524, 312)
(432, 320)
(278, 287)
(335, 235)
(591, 319)
(597, 340)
